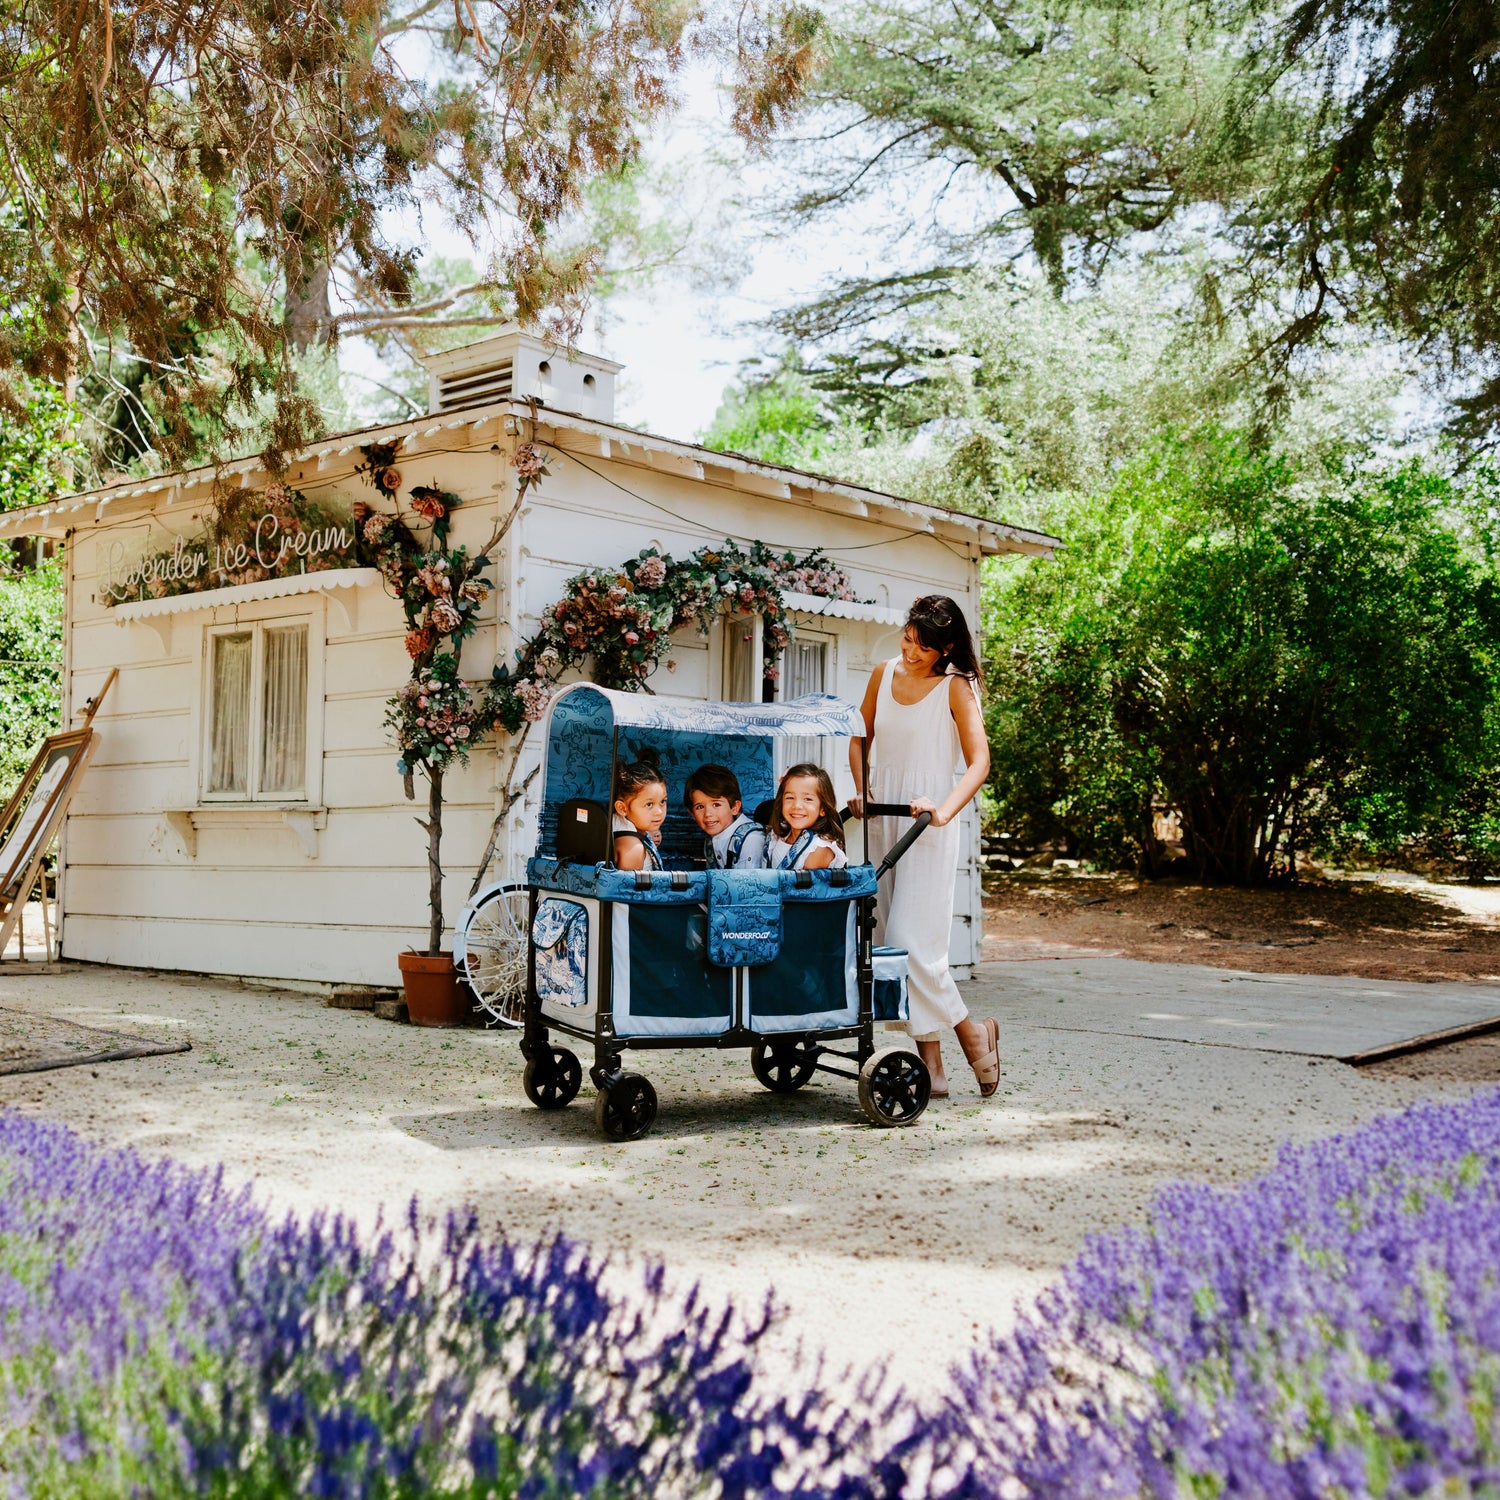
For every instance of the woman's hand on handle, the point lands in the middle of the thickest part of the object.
(920, 805)
(856, 806)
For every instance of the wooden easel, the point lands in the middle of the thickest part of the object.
(28, 833)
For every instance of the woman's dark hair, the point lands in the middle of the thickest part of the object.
(643, 771)
(941, 627)
(829, 824)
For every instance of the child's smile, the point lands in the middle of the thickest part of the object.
(800, 804)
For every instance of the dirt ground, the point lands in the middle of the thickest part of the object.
(903, 1246)
(1385, 927)
(1391, 926)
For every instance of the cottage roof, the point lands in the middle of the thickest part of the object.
(581, 438)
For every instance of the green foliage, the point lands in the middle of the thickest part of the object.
(30, 665)
(1011, 396)
(778, 418)
(1283, 653)
(155, 154)
(1385, 206)
(37, 447)
(1067, 126)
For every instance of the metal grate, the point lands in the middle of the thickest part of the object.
(475, 387)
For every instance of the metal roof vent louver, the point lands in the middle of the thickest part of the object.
(514, 365)
(475, 386)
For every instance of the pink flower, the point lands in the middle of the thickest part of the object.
(632, 637)
(528, 460)
(389, 480)
(651, 573)
(422, 701)
(444, 618)
(429, 504)
(375, 529)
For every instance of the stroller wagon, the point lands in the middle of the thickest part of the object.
(781, 962)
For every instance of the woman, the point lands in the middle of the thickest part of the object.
(921, 713)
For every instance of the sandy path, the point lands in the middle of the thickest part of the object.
(882, 1244)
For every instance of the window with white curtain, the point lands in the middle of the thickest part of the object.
(257, 713)
(742, 659)
(805, 668)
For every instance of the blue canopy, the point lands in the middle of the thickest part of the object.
(587, 726)
(813, 714)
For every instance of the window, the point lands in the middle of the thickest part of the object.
(806, 667)
(257, 713)
(742, 659)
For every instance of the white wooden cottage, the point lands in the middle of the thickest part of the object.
(243, 814)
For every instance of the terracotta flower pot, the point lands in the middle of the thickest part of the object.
(434, 996)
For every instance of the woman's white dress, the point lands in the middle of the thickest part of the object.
(916, 753)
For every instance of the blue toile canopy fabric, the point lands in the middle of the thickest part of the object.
(814, 714)
(587, 727)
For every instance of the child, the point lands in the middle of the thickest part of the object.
(806, 833)
(732, 840)
(640, 810)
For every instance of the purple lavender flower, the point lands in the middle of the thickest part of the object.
(1332, 1329)
(161, 1335)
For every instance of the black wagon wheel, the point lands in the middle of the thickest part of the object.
(626, 1107)
(783, 1067)
(894, 1087)
(553, 1078)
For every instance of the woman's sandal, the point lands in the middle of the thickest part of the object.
(987, 1068)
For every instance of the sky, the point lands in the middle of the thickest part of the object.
(683, 338)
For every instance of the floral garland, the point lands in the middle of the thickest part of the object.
(616, 622)
(619, 621)
(436, 718)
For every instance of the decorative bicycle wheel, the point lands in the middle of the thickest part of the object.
(490, 951)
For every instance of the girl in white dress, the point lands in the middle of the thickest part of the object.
(923, 724)
(806, 833)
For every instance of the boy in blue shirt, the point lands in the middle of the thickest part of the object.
(733, 841)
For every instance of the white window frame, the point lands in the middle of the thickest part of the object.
(828, 753)
(256, 620)
(723, 626)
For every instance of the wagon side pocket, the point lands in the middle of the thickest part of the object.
(560, 939)
(663, 983)
(744, 918)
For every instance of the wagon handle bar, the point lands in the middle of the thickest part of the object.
(907, 839)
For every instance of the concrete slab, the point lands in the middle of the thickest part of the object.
(1353, 1020)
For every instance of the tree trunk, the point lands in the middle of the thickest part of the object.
(434, 858)
(309, 316)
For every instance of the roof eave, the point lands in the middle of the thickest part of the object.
(55, 518)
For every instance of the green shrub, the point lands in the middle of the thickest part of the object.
(30, 665)
(1284, 655)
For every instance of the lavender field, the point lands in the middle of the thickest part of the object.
(1332, 1329)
